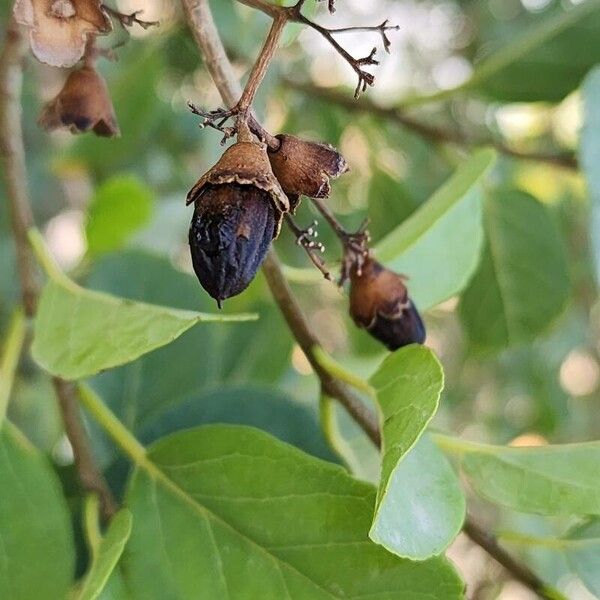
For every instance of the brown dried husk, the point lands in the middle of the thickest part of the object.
(59, 29)
(379, 303)
(303, 167)
(245, 163)
(82, 105)
(376, 290)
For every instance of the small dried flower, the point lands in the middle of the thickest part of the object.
(239, 206)
(379, 303)
(303, 168)
(59, 29)
(82, 105)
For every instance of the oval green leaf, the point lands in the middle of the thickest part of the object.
(438, 246)
(80, 332)
(420, 507)
(522, 284)
(230, 512)
(424, 507)
(546, 480)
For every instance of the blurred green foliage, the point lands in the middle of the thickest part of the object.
(505, 264)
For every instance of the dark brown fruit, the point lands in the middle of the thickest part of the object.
(230, 234)
(238, 210)
(379, 303)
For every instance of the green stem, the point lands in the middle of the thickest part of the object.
(45, 258)
(109, 422)
(335, 369)
(329, 425)
(91, 519)
(523, 539)
(457, 446)
(10, 358)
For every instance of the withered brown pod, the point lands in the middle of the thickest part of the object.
(82, 105)
(379, 303)
(238, 209)
(303, 167)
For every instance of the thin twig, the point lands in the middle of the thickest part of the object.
(518, 570)
(306, 239)
(13, 159)
(203, 27)
(15, 174)
(429, 132)
(220, 69)
(130, 19)
(294, 14)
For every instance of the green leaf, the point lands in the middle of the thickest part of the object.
(120, 206)
(144, 394)
(424, 507)
(420, 507)
(37, 557)
(438, 246)
(545, 62)
(589, 153)
(80, 332)
(522, 284)
(263, 407)
(225, 511)
(106, 556)
(545, 480)
(581, 547)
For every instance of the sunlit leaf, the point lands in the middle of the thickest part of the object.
(218, 514)
(420, 507)
(438, 246)
(80, 332)
(546, 480)
(424, 507)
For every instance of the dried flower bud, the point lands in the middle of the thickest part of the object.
(239, 206)
(379, 303)
(303, 168)
(59, 29)
(82, 105)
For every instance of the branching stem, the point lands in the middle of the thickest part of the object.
(306, 239)
(433, 133)
(205, 32)
(128, 20)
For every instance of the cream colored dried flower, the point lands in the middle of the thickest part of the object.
(59, 29)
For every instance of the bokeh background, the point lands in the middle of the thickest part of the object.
(543, 391)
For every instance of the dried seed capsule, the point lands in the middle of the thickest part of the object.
(379, 303)
(303, 168)
(82, 105)
(59, 29)
(230, 234)
(239, 206)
